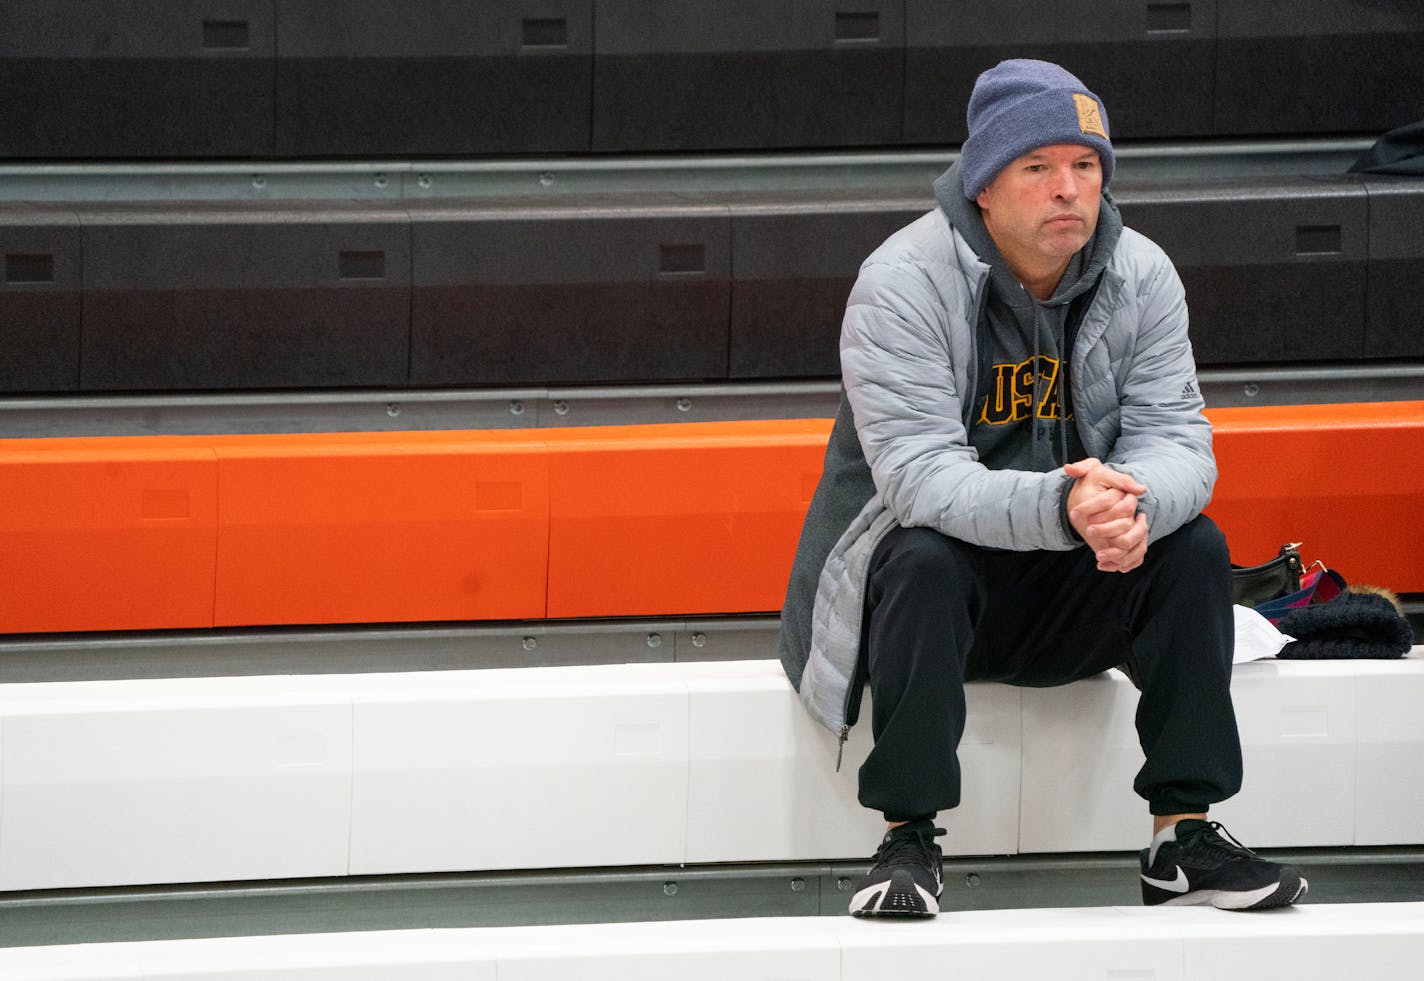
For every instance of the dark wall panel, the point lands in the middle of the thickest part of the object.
(1273, 271)
(1151, 63)
(39, 301)
(245, 299)
(136, 78)
(792, 271)
(570, 296)
(690, 75)
(1322, 67)
(433, 77)
(1394, 325)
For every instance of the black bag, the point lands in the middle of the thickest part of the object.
(1254, 585)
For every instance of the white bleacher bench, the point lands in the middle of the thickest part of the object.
(1308, 943)
(112, 783)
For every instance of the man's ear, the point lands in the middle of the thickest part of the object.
(983, 200)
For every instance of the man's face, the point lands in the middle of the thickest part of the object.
(1043, 207)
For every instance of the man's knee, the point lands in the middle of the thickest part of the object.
(1199, 545)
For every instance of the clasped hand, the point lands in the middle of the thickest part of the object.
(1102, 508)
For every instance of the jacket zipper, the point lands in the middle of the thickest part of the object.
(854, 692)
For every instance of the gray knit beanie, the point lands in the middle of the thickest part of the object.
(1021, 105)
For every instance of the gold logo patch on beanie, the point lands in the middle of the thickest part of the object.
(1090, 120)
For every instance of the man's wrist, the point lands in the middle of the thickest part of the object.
(1064, 493)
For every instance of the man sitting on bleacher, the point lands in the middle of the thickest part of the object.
(1013, 492)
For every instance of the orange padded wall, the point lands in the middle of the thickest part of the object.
(377, 527)
(1346, 480)
(683, 519)
(689, 518)
(106, 534)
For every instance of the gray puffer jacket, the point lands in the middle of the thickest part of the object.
(899, 454)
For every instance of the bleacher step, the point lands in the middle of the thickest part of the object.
(218, 779)
(1324, 942)
(626, 895)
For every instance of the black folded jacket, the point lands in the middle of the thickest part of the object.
(1352, 625)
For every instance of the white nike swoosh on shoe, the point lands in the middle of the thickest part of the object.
(1179, 884)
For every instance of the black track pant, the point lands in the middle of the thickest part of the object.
(940, 612)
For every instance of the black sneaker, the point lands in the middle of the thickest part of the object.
(1198, 863)
(907, 874)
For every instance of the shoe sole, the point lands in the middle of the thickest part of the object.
(900, 897)
(1283, 893)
